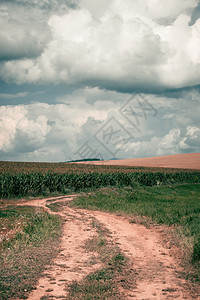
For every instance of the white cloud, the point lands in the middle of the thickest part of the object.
(180, 140)
(126, 47)
(20, 133)
(96, 8)
(55, 132)
(99, 48)
(170, 142)
(170, 9)
(43, 128)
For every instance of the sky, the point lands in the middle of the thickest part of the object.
(101, 79)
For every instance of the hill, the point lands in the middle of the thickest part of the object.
(182, 161)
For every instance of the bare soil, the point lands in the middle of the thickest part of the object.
(179, 161)
(157, 271)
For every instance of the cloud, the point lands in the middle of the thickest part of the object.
(22, 35)
(20, 133)
(195, 14)
(170, 142)
(42, 129)
(24, 32)
(55, 132)
(126, 47)
(96, 8)
(180, 141)
(48, 5)
(21, 40)
(13, 96)
(191, 141)
(96, 54)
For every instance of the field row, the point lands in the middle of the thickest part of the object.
(34, 184)
(35, 167)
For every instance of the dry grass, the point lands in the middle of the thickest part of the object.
(114, 278)
(25, 253)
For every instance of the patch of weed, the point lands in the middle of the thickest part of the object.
(177, 205)
(25, 254)
(114, 276)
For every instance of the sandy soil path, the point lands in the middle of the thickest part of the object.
(156, 271)
(73, 262)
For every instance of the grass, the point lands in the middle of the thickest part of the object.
(29, 236)
(177, 206)
(29, 241)
(115, 275)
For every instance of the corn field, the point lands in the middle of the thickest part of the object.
(33, 179)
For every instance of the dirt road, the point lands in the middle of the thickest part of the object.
(156, 270)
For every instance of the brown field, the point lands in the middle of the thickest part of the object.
(182, 161)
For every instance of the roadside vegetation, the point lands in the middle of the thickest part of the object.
(29, 241)
(29, 236)
(177, 206)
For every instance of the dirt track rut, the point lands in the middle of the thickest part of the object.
(156, 271)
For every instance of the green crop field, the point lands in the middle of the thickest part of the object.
(34, 179)
(170, 197)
